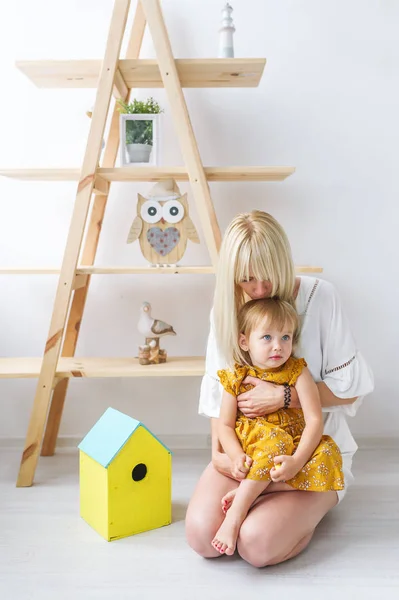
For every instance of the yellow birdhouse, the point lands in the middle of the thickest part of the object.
(125, 477)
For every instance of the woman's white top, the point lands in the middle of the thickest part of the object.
(330, 351)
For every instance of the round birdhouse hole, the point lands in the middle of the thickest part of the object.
(139, 472)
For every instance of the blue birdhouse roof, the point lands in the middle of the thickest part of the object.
(111, 432)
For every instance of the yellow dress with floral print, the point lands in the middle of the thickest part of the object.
(279, 433)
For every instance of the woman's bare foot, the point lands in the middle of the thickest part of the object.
(227, 500)
(226, 536)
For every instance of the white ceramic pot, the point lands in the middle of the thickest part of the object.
(139, 153)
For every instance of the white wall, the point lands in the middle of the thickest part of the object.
(327, 104)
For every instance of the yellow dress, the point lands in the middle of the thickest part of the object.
(278, 433)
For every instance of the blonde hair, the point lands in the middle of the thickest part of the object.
(278, 313)
(253, 242)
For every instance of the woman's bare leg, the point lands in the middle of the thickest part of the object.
(226, 536)
(204, 514)
(280, 525)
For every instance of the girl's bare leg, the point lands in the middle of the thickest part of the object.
(272, 487)
(226, 537)
(204, 514)
(281, 525)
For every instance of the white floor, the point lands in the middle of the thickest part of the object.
(47, 551)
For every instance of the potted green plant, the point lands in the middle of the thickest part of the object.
(139, 131)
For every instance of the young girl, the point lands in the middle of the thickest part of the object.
(284, 446)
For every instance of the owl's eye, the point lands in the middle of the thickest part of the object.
(151, 212)
(173, 211)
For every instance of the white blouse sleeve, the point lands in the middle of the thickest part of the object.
(344, 370)
(211, 390)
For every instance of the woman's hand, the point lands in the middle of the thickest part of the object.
(286, 467)
(224, 465)
(264, 398)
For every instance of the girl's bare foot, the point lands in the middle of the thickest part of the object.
(227, 500)
(226, 537)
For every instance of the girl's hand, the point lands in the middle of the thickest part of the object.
(286, 467)
(240, 466)
(264, 398)
(224, 465)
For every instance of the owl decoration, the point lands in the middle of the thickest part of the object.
(163, 225)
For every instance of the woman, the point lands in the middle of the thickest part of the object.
(255, 262)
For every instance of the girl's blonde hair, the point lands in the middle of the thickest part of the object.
(253, 243)
(279, 315)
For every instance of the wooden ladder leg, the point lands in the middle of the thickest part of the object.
(75, 236)
(181, 118)
(89, 251)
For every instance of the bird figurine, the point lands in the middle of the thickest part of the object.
(163, 224)
(152, 329)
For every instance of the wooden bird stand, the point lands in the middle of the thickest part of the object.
(151, 353)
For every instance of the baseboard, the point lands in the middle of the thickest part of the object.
(198, 441)
(377, 443)
(174, 442)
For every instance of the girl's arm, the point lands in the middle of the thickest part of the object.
(327, 398)
(226, 427)
(308, 395)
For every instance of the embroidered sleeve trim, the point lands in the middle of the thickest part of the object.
(346, 364)
(311, 296)
(213, 377)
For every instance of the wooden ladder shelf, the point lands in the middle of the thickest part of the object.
(115, 77)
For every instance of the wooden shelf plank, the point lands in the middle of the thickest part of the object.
(42, 174)
(212, 173)
(112, 270)
(144, 73)
(103, 367)
(200, 270)
(61, 73)
(155, 174)
(308, 269)
(83, 270)
(196, 73)
(30, 271)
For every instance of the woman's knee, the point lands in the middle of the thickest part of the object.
(199, 535)
(255, 549)
(266, 549)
